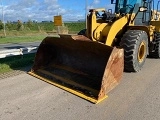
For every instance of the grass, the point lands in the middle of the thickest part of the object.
(35, 31)
(16, 62)
(48, 26)
(21, 36)
(75, 26)
(21, 39)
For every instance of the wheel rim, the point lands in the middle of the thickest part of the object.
(141, 52)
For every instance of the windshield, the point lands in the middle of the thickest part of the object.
(132, 2)
(126, 6)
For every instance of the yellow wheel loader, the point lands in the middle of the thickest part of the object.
(91, 63)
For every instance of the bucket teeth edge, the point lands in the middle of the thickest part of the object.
(95, 101)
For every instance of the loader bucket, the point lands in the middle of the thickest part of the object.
(78, 65)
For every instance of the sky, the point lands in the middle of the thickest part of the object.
(44, 10)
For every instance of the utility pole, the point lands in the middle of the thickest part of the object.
(4, 28)
(86, 12)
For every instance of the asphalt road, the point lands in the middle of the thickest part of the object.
(137, 97)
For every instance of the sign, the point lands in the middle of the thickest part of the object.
(58, 20)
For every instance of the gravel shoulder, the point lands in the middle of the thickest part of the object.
(14, 72)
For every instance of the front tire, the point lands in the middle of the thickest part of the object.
(135, 45)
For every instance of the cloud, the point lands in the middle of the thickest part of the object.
(29, 9)
(44, 10)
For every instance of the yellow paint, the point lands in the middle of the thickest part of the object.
(114, 29)
(98, 32)
(58, 20)
(141, 52)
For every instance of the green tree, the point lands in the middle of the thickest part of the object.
(29, 24)
(20, 25)
(9, 25)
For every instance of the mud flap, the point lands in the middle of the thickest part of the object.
(76, 64)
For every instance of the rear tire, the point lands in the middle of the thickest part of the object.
(135, 45)
(156, 52)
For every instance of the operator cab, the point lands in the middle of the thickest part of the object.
(123, 7)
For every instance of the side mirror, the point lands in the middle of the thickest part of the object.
(143, 9)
